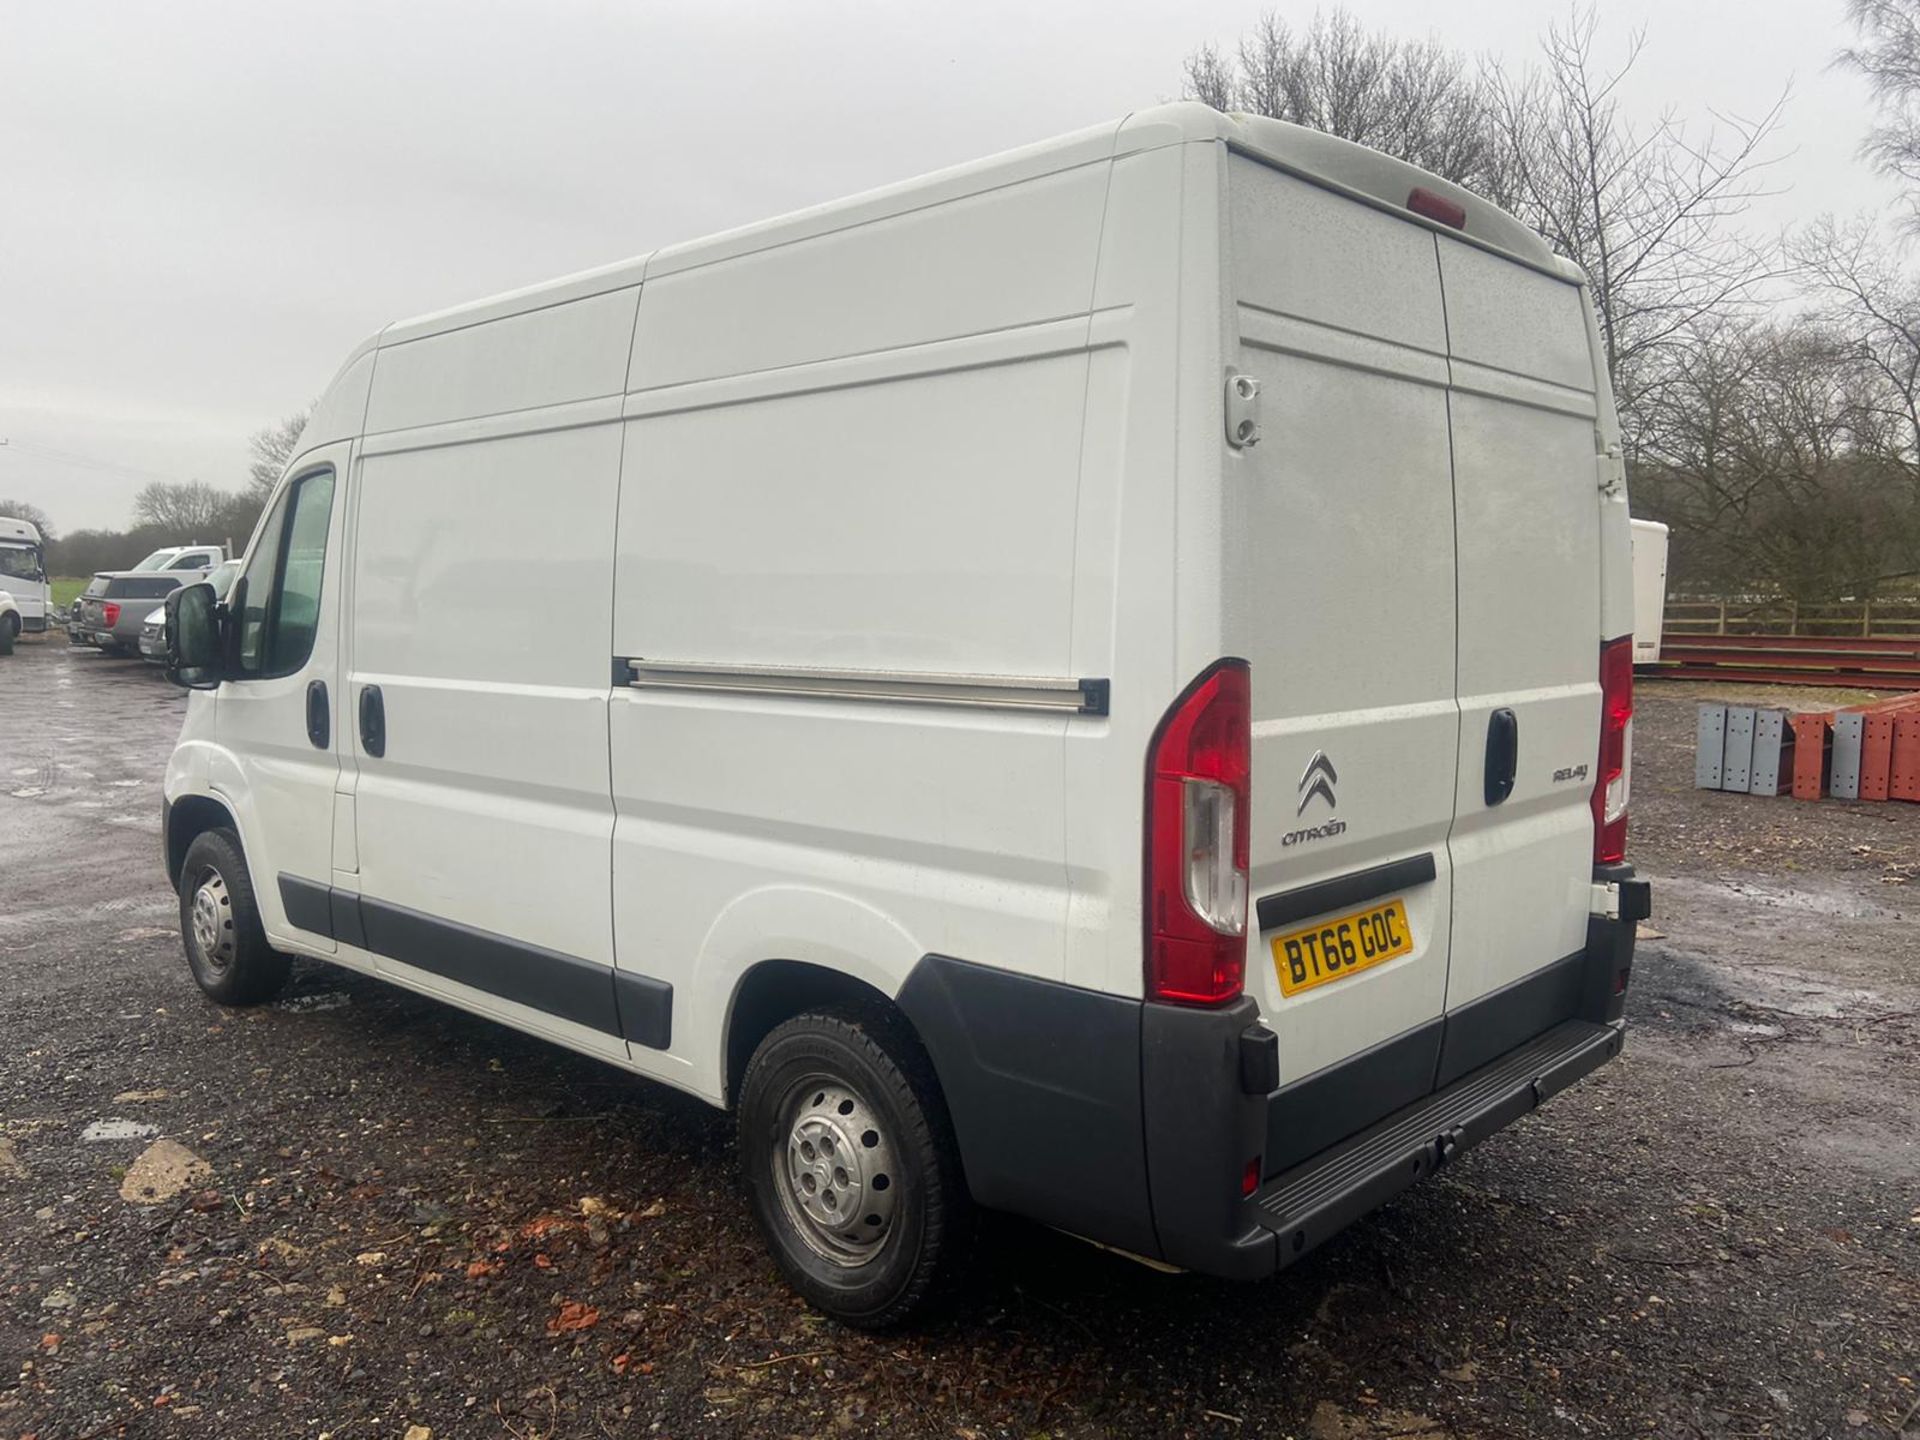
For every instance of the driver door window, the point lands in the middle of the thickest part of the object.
(280, 610)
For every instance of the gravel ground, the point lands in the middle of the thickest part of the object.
(383, 1214)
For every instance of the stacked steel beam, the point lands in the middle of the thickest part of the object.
(1857, 752)
(1864, 662)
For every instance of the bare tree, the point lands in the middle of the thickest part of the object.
(189, 509)
(1210, 79)
(1645, 211)
(270, 448)
(1888, 55)
(1866, 296)
(1415, 100)
(1765, 452)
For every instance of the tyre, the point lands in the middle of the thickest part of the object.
(850, 1165)
(9, 632)
(220, 924)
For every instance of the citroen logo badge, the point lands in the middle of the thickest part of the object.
(1318, 778)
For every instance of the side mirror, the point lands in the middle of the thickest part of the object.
(193, 637)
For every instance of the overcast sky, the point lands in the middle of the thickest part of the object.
(203, 207)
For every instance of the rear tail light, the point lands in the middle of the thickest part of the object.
(1197, 799)
(1614, 775)
(110, 614)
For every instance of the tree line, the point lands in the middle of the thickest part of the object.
(173, 512)
(1769, 388)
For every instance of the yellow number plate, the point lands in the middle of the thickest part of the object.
(1335, 949)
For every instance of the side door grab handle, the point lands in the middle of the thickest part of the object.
(1503, 754)
(373, 721)
(319, 728)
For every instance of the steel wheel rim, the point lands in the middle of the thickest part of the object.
(835, 1169)
(210, 919)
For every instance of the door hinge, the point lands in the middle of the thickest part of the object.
(1605, 900)
(1243, 410)
(1611, 470)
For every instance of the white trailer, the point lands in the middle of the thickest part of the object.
(1649, 589)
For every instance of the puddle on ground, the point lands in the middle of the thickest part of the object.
(325, 1000)
(116, 1129)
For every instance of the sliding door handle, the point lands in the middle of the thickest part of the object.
(373, 721)
(319, 719)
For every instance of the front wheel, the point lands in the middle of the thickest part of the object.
(9, 632)
(850, 1165)
(220, 925)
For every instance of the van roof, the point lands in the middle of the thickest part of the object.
(18, 531)
(1369, 175)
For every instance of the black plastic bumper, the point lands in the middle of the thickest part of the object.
(1135, 1124)
(1324, 1195)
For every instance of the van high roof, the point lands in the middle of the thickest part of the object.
(1341, 165)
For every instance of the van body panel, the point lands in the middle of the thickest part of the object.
(968, 568)
(1340, 591)
(341, 412)
(491, 805)
(1529, 546)
(1127, 621)
(1013, 256)
(837, 445)
(573, 351)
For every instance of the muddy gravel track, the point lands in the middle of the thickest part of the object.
(357, 1212)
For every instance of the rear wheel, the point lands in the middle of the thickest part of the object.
(220, 924)
(850, 1165)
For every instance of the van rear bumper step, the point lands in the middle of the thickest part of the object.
(1319, 1197)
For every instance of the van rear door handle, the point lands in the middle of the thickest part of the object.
(373, 721)
(319, 731)
(1503, 754)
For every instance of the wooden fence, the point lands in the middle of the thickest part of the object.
(1892, 619)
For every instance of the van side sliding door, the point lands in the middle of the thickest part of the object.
(477, 702)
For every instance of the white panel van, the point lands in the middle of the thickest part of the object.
(1095, 684)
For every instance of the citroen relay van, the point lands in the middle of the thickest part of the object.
(1094, 684)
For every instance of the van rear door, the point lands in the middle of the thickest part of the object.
(1527, 510)
(1340, 582)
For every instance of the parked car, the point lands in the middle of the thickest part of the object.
(109, 613)
(153, 631)
(1228, 831)
(9, 621)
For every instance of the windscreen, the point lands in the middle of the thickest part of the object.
(156, 560)
(20, 562)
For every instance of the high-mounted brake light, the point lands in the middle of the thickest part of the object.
(1613, 777)
(1422, 201)
(110, 614)
(1197, 800)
